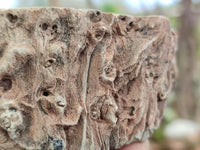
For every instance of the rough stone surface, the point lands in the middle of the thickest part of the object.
(82, 79)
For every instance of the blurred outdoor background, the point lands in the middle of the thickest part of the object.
(180, 129)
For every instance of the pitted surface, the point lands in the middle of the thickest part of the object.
(82, 79)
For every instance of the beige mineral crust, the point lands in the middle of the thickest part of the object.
(82, 79)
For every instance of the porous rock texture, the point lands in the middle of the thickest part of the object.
(82, 79)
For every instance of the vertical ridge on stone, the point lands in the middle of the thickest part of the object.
(82, 79)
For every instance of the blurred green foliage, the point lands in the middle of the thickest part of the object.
(174, 22)
(168, 116)
(198, 37)
(110, 7)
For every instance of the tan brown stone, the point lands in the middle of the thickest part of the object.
(82, 79)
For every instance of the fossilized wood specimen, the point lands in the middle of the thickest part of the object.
(78, 80)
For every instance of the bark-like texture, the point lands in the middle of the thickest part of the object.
(79, 80)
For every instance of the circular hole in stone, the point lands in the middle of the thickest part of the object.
(151, 74)
(6, 83)
(98, 13)
(131, 24)
(51, 61)
(54, 27)
(44, 26)
(12, 18)
(123, 18)
(12, 109)
(46, 93)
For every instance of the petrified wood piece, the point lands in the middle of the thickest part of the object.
(82, 79)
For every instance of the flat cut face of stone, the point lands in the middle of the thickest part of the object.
(82, 79)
